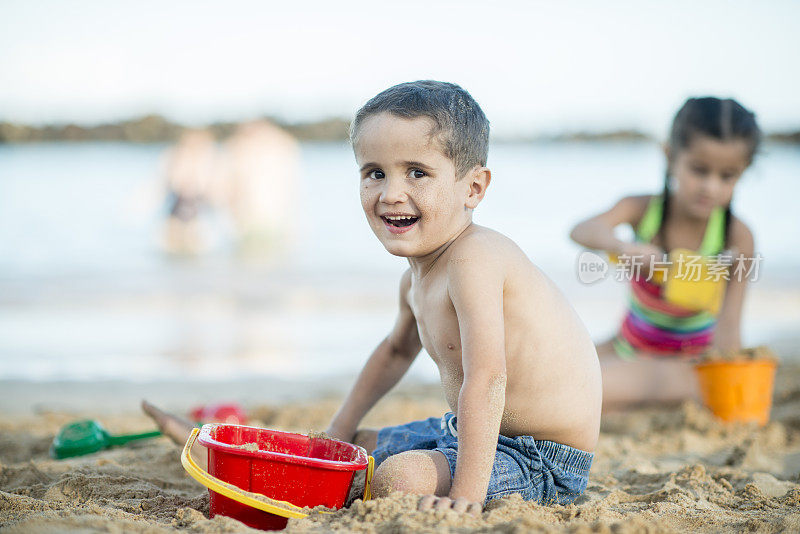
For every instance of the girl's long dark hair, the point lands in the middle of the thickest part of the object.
(721, 119)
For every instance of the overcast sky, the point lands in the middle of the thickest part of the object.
(533, 66)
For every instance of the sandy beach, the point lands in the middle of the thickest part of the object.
(656, 470)
(189, 216)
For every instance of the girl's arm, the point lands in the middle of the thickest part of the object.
(727, 336)
(597, 232)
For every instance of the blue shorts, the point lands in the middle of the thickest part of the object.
(541, 471)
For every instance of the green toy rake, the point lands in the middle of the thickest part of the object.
(85, 437)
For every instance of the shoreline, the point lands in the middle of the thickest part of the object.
(122, 397)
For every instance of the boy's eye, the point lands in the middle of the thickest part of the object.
(697, 169)
(416, 173)
(376, 175)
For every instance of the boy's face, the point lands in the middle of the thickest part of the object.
(409, 190)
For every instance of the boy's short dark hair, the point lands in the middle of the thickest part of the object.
(460, 124)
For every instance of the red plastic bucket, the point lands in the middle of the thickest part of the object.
(228, 412)
(298, 469)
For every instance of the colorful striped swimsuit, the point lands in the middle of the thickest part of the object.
(655, 326)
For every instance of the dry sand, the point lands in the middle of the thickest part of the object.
(655, 471)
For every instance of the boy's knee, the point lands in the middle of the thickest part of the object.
(396, 473)
(408, 472)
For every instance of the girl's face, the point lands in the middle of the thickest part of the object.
(706, 172)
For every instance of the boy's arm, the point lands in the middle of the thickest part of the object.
(384, 368)
(727, 335)
(475, 286)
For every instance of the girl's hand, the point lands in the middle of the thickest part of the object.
(460, 505)
(726, 341)
(644, 253)
(643, 256)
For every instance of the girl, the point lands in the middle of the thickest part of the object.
(711, 143)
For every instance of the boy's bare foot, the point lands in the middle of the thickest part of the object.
(173, 426)
(178, 429)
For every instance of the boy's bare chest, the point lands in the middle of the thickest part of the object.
(437, 322)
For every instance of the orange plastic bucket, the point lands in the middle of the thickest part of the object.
(738, 391)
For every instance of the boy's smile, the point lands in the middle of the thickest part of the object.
(409, 191)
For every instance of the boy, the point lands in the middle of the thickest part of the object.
(518, 367)
(514, 359)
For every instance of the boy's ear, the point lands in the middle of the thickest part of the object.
(478, 180)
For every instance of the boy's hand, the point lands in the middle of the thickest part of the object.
(460, 505)
(340, 434)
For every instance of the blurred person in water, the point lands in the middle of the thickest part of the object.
(261, 168)
(192, 187)
(244, 191)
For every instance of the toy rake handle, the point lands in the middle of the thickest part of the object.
(122, 440)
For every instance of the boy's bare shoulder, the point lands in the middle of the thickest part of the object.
(484, 246)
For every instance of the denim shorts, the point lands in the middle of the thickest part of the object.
(541, 471)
